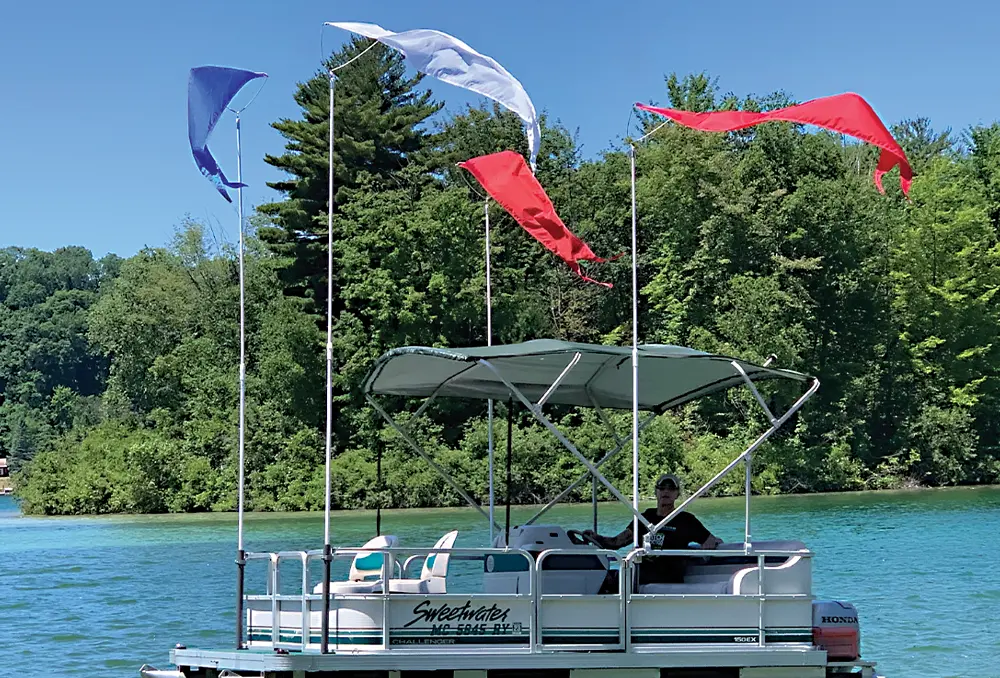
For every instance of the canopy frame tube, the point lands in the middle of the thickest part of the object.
(607, 422)
(775, 425)
(426, 457)
(536, 412)
(622, 442)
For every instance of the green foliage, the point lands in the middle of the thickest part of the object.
(119, 379)
(50, 373)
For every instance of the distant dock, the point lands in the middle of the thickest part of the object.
(5, 487)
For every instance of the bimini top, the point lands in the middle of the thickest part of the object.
(668, 375)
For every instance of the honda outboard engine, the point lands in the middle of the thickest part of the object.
(836, 630)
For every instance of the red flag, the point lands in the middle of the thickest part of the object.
(847, 113)
(506, 177)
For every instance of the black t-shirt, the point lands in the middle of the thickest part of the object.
(682, 529)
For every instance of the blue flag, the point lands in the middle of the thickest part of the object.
(210, 89)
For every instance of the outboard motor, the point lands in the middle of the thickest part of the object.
(836, 630)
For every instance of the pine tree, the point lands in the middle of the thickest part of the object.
(378, 133)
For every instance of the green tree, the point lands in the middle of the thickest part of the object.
(378, 133)
(45, 299)
(946, 279)
(118, 379)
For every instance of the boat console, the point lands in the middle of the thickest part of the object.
(576, 567)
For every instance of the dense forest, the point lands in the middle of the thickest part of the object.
(118, 377)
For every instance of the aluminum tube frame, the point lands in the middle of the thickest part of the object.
(750, 450)
(243, 368)
(555, 384)
(433, 464)
(753, 389)
(542, 419)
(746, 529)
(593, 499)
(240, 561)
(489, 342)
(331, 200)
(747, 538)
(539, 597)
(635, 361)
(607, 422)
(622, 442)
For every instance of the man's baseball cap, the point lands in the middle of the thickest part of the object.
(668, 481)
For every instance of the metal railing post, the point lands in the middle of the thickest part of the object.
(386, 588)
(324, 624)
(275, 605)
(306, 629)
(241, 563)
(760, 600)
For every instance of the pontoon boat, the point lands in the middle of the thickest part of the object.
(547, 601)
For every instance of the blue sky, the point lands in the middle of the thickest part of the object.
(93, 128)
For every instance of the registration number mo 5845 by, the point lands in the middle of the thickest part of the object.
(474, 629)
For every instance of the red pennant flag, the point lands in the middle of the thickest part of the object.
(847, 113)
(506, 177)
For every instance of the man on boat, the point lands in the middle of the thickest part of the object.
(682, 530)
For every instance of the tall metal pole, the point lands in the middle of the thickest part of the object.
(510, 464)
(489, 342)
(635, 363)
(240, 553)
(378, 491)
(746, 534)
(327, 551)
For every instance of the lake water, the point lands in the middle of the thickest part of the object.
(100, 596)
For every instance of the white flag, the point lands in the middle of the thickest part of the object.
(449, 59)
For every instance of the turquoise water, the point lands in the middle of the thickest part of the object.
(101, 596)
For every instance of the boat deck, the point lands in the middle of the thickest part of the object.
(810, 662)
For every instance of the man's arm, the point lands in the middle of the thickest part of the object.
(701, 534)
(712, 542)
(616, 542)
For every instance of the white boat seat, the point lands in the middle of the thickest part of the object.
(366, 569)
(433, 585)
(345, 587)
(721, 586)
(793, 575)
(434, 573)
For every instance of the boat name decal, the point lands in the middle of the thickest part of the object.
(839, 620)
(427, 612)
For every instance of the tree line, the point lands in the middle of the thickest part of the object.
(118, 377)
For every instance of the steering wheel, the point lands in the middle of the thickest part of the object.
(581, 539)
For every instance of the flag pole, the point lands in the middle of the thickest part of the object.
(240, 552)
(489, 342)
(327, 551)
(635, 364)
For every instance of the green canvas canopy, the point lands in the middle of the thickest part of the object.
(668, 375)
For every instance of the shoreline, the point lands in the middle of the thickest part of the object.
(703, 502)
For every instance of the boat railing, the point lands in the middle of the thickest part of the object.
(543, 601)
(305, 602)
(624, 604)
(760, 592)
